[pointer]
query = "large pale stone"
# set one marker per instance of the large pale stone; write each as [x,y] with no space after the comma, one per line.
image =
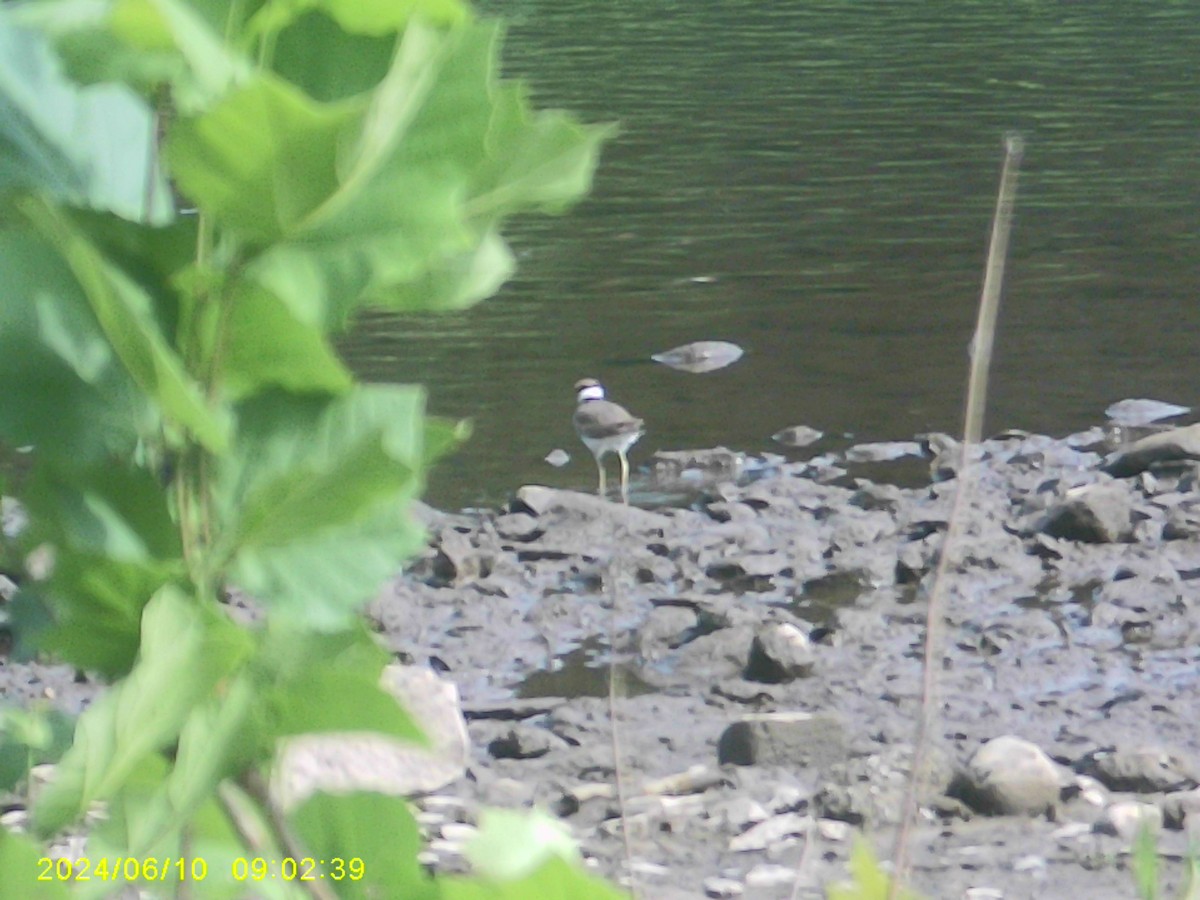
[344,763]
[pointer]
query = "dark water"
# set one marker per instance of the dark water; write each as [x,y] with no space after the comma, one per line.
[815,181]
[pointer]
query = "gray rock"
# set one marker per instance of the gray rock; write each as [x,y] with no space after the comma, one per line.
[1128,817]
[1181,808]
[1141,770]
[1176,445]
[784,738]
[1143,412]
[769,875]
[700,356]
[516,741]
[779,653]
[1093,514]
[797,436]
[883,451]
[665,629]
[771,831]
[518,527]
[718,887]
[348,763]
[869,790]
[1009,776]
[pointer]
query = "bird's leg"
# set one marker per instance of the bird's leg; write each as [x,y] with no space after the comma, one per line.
[624,478]
[601,491]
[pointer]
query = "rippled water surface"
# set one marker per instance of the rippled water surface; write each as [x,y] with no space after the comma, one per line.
[815,181]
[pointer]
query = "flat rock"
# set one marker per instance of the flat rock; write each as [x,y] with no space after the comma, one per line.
[1176,445]
[815,740]
[1140,770]
[700,356]
[797,436]
[1143,412]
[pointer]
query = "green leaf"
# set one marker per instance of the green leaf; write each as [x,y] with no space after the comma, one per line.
[186,650]
[376,829]
[219,739]
[1144,862]
[269,347]
[89,613]
[54,356]
[328,64]
[870,881]
[369,17]
[512,844]
[158,25]
[261,159]
[554,879]
[394,200]
[19,869]
[330,699]
[314,499]
[30,737]
[125,314]
[86,146]
[115,546]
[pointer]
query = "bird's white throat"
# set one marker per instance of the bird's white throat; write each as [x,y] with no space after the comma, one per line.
[591,392]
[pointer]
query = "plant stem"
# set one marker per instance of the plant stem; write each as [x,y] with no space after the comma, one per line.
[981,357]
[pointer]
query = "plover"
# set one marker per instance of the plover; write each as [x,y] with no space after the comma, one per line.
[605,427]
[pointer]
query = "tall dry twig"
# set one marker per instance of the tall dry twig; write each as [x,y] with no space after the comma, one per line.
[981,360]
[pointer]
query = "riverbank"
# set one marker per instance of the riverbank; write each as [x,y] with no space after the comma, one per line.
[768,640]
[768,621]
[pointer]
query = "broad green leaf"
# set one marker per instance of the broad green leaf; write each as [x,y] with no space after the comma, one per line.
[186,650]
[421,177]
[54,356]
[376,830]
[288,650]
[442,436]
[261,159]
[314,499]
[330,699]
[328,64]
[554,879]
[89,613]
[269,347]
[19,870]
[208,846]
[83,145]
[369,17]
[107,510]
[115,546]
[218,740]
[870,882]
[321,497]
[125,314]
[30,737]
[512,844]
[165,24]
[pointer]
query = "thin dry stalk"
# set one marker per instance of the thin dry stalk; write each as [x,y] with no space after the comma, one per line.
[614,695]
[981,359]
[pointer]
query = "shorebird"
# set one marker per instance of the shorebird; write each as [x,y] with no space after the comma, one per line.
[605,427]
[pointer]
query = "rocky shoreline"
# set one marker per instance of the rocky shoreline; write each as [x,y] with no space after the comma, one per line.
[764,620]
[768,633]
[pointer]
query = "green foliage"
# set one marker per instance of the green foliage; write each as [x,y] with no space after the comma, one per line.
[196,435]
[30,737]
[1144,864]
[870,882]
